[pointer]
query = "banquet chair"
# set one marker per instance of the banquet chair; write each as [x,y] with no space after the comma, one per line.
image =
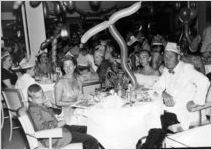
[33,136]
[3,105]
[198,135]
[13,99]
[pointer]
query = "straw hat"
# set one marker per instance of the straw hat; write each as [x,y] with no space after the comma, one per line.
[42,52]
[4,54]
[172,47]
[132,40]
[26,64]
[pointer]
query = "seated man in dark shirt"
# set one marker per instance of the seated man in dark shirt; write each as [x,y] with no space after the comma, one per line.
[102,64]
[43,118]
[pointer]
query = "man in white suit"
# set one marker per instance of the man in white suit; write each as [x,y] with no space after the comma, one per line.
[181,86]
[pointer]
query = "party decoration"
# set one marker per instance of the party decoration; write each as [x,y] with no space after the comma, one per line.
[124,54]
[177,5]
[34,4]
[185,14]
[57,9]
[96,29]
[193,5]
[115,17]
[125,12]
[62,6]
[17,4]
[70,5]
[95,5]
[45,9]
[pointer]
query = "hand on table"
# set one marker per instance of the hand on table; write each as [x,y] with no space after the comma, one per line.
[61,123]
[168,99]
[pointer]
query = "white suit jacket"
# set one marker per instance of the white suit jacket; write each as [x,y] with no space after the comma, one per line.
[186,84]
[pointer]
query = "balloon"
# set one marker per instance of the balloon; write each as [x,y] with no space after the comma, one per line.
[95,5]
[45,9]
[34,4]
[125,12]
[185,14]
[177,5]
[115,17]
[193,5]
[69,5]
[17,4]
[193,13]
[62,5]
[57,8]
[124,53]
[96,29]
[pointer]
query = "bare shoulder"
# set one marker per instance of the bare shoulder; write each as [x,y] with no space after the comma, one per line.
[60,83]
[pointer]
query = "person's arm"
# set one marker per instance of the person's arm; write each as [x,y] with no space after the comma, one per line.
[59,94]
[8,83]
[42,119]
[201,83]
[91,63]
[160,85]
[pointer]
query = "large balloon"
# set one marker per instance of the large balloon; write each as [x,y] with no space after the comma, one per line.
[45,9]
[124,54]
[17,4]
[57,8]
[96,29]
[95,5]
[177,5]
[185,14]
[193,5]
[125,12]
[69,5]
[102,26]
[34,3]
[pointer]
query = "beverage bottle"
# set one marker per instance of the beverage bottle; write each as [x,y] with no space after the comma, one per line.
[119,90]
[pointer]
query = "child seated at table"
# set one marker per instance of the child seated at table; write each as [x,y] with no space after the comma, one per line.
[44,118]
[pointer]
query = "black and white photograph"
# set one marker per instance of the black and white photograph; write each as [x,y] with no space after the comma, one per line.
[106,74]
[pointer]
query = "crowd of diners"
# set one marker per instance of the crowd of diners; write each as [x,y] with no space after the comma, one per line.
[182,79]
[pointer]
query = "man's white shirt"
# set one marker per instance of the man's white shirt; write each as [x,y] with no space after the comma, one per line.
[23,83]
[186,84]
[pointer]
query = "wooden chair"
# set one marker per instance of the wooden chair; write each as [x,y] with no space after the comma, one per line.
[14,102]
[33,136]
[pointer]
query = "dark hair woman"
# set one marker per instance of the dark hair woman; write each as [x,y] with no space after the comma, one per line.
[8,77]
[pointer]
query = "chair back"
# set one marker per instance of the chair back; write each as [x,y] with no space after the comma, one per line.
[28,129]
[13,100]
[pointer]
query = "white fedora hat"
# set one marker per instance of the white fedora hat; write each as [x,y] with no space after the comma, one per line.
[173,47]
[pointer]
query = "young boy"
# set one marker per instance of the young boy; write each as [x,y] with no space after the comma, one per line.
[43,118]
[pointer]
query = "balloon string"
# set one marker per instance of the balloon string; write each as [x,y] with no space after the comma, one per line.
[124,53]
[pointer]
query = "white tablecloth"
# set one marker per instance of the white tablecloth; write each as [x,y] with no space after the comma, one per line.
[121,128]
